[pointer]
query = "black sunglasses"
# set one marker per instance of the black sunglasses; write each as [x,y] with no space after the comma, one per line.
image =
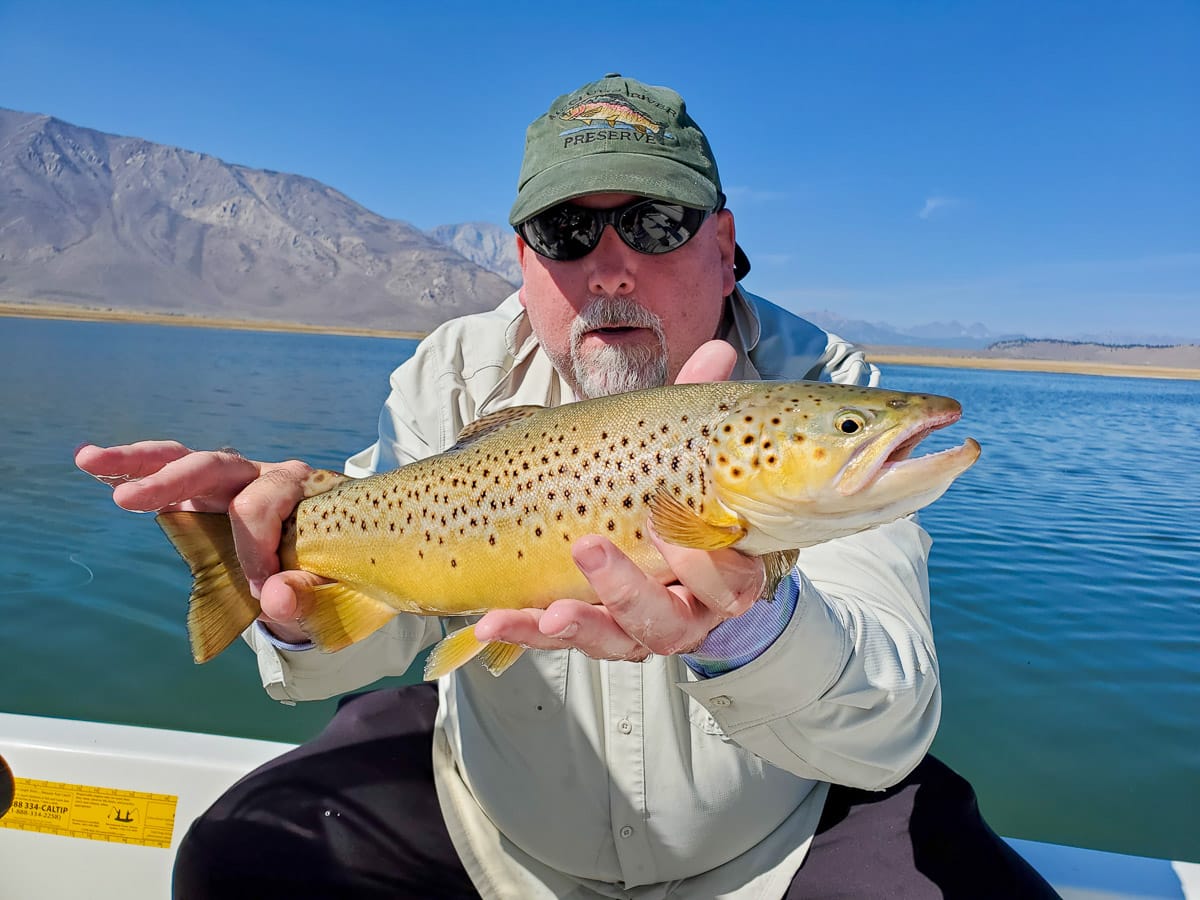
[567,231]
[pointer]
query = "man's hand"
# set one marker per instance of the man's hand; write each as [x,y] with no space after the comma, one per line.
[159,476]
[639,616]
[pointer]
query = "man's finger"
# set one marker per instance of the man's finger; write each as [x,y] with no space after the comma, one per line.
[725,581]
[128,461]
[257,514]
[712,361]
[205,480]
[660,619]
[286,597]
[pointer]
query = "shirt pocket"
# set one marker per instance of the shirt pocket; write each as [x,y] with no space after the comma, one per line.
[535,688]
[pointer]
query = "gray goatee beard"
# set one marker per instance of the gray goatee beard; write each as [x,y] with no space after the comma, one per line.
[616,369]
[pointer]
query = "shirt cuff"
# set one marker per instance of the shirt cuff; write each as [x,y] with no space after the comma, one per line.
[278,643]
[735,642]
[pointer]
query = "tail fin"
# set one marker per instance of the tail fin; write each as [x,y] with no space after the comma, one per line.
[221,606]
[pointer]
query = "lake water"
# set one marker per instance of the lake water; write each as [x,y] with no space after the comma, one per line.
[1065,571]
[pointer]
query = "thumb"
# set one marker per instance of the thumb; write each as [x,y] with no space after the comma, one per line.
[285,598]
[712,361]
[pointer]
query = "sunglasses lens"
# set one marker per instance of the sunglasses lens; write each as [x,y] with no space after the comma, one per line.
[567,232]
[656,227]
[563,232]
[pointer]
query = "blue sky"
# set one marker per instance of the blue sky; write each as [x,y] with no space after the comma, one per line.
[1031,166]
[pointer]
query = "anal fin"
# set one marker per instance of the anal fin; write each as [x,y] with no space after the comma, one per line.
[338,615]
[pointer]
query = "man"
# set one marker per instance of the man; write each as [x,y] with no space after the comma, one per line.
[688,747]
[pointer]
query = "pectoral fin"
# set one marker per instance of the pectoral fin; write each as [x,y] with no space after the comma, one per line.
[674,522]
[339,615]
[462,646]
[221,606]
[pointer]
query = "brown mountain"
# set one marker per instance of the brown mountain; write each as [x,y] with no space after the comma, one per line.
[96,220]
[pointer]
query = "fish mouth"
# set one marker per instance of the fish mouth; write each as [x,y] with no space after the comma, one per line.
[891,457]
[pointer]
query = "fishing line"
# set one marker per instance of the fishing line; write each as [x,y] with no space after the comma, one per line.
[91,576]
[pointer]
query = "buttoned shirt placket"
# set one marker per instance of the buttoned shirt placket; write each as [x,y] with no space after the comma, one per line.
[625,728]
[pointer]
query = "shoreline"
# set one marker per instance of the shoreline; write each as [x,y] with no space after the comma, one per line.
[1053,366]
[128,317]
[879,356]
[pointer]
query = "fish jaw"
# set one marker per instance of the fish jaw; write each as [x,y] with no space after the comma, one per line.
[893,447]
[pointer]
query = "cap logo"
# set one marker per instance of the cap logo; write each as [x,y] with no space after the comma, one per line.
[610,117]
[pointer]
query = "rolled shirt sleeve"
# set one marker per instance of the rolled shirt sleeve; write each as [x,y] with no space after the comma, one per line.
[849,691]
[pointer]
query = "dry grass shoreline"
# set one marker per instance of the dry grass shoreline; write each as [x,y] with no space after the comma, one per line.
[882,356]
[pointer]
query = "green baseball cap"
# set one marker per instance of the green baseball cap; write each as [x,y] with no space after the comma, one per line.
[618,135]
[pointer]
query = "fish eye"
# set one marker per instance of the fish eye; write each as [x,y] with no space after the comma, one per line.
[849,422]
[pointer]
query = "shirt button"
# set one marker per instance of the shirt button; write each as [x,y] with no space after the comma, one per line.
[625,726]
[626,831]
[721,700]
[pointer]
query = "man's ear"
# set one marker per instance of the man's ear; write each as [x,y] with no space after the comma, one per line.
[727,241]
[522,248]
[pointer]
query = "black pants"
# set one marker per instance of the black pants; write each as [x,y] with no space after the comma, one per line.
[354,814]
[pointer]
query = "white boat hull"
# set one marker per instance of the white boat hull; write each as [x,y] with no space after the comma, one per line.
[46,856]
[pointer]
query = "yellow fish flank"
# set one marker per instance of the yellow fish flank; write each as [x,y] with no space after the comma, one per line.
[764,467]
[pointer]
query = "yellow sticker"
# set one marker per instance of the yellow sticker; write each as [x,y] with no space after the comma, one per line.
[96,813]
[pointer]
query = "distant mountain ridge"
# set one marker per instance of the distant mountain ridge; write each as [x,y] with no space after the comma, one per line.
[487,245]
[93,219]
[935,334]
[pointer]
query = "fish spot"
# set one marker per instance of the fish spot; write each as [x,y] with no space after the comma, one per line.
[818,453]
[453,563]
[372,560]
[537,532]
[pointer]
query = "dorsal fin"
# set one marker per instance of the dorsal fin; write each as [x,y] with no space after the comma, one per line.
[492,421]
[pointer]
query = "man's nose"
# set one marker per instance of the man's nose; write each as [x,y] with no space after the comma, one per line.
[611,266]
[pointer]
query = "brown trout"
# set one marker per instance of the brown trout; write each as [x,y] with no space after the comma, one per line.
[764,467]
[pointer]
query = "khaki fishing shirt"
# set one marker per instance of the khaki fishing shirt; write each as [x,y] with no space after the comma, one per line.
[572,777]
